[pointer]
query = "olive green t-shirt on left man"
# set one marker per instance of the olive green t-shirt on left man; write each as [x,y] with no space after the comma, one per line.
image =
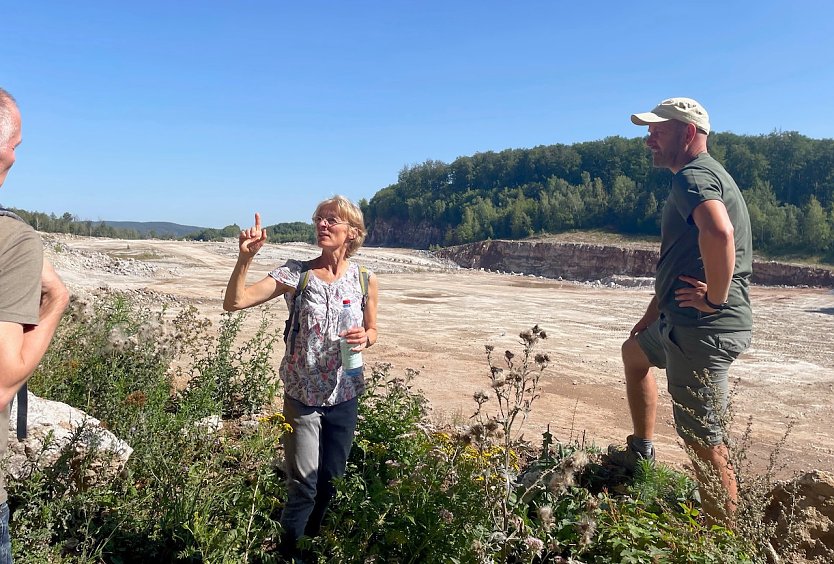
[21,264]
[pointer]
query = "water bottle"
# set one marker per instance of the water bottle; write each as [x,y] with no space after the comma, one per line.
[351,361]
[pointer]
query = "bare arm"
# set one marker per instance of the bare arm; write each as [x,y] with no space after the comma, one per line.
[22,347]
[238,294]
[717,244]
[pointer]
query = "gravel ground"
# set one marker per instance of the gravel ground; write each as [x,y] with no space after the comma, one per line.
[436,318]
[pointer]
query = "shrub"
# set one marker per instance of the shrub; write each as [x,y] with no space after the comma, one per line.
[189,492]
[411,494]
[229,380]
[208,490]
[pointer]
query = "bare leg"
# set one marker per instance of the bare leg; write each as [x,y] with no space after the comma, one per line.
[641,389]
[713,467]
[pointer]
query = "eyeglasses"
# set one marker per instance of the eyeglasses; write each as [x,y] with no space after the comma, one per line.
[328,221]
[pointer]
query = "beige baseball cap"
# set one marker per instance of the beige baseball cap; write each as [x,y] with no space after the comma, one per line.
[686,110]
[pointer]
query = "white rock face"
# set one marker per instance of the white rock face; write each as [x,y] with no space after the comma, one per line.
[51,426]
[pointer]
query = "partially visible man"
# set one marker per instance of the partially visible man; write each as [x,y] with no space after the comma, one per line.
[32,300]
[700,319]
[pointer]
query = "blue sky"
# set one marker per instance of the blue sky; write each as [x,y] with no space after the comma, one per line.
[203,112]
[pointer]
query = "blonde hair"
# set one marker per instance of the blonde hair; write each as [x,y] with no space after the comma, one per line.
[351,213]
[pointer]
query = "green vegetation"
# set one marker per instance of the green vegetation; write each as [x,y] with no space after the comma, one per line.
[211,234]
[189,493]
[155,228]
[295,231]
[198,491]
[68,223]
[787,179]
[279,233]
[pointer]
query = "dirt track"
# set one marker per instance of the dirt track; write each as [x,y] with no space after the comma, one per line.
[436,319]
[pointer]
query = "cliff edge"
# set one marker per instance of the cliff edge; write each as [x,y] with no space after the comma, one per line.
[584,261]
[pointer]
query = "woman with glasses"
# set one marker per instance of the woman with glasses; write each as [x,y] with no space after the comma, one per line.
[320,401]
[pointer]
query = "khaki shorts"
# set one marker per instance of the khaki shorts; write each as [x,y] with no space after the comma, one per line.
[696,362]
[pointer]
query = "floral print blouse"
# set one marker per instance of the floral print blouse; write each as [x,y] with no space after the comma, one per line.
[313,373]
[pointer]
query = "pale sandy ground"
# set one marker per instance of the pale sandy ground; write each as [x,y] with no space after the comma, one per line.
[437,319]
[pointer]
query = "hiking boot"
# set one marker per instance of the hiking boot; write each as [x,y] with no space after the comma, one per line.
[626,456]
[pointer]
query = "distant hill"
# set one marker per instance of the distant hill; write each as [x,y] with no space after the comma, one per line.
[160,228]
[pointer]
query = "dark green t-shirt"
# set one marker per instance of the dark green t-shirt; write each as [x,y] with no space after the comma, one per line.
[21,264]
[703,179]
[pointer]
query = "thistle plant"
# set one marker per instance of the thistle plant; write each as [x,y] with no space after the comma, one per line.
[746,515]
[233,378]
[514,387]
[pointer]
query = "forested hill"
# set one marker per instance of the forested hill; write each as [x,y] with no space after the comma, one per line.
[787,179]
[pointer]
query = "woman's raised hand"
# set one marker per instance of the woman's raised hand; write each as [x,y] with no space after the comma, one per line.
[251,240]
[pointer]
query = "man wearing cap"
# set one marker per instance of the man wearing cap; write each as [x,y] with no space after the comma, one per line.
[32,301]
[700,319]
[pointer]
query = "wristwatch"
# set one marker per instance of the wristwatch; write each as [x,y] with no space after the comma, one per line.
[717,307]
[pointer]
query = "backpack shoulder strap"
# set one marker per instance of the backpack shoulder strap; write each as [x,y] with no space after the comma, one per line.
[293,325]
[23,392]
[7,213]
[364,276]
[302,282]
[303,277]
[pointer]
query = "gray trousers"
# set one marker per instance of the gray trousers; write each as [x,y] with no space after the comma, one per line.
[316,452]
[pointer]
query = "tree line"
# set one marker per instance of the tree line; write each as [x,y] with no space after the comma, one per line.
[787,180]
[69,223]
[278,233]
